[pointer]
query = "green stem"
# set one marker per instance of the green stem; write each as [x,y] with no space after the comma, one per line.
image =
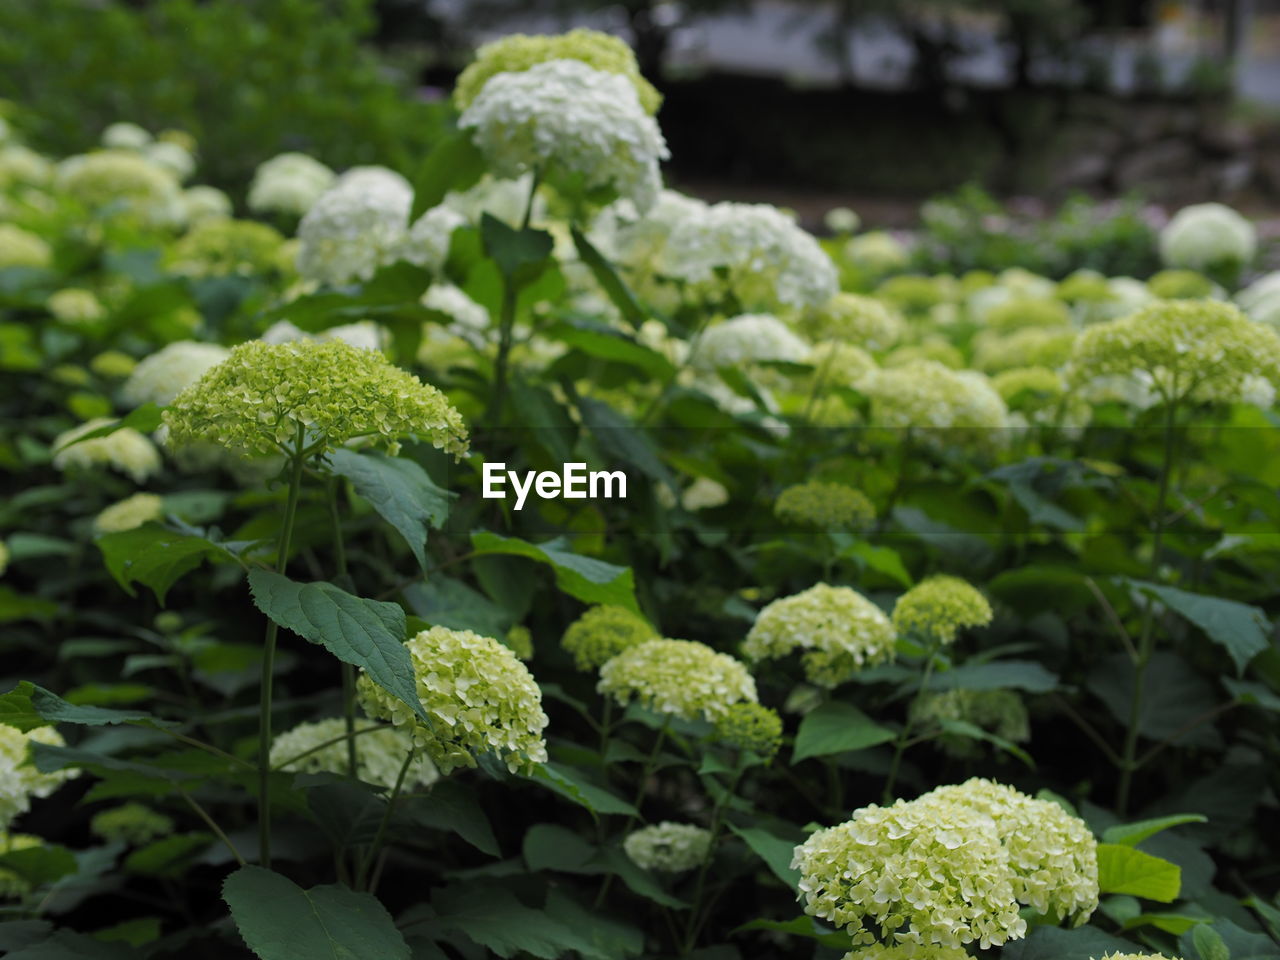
[348,671]
[1146,642]
[507,319]
[381,835]
[203,814]
[269,662]
[696,920]
[645,773]
[900,744]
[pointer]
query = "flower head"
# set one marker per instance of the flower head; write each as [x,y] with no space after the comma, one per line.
[926,397]
[569,119]
[288,183]
[22,248]
[264,395]
[750,338]
[519,52]
[603,632]
[1180,285]
[1000,712]
[131,823]
[681,678]
[928,875]
[121,182]
[220,246]
[479,696]
[356,226]
[855,319]
[1031,346]
[1019,313]
[205,203]
[1134,956]
[1205,351]
[18,164]
[937,608]
[750,726]
[1206,236]
[824,505]
[839,630]
[130,513]
[126,451]
[1053,855]
[20,780]
[877,252]
[380,752]
[428,241]
[704,494]
[840,363]
[166,373]
[123,135]
[905,951]
[668,847]
[72,305]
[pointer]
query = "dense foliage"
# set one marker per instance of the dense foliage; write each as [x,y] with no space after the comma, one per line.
[936,618]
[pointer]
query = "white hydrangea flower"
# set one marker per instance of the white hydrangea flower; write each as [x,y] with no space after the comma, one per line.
[19,164]
[682,678]
[289,183]
[379,754]
[74,305]
[355,227]
[173,157]
[668,847]
[19,778]
[125,136]
[1261,299]
[501,198]
[770,261]
[170,370]
[206,203]
[750,338]
[126,451]
[470,319]
[571,117]
[704,494]
[638,241]
[129,513]
[1205,235]
[22,248]
[427,244]
[364,334]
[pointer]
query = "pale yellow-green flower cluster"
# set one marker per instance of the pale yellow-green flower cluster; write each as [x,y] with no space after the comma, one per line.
[126,451]
[380,752]
[750,726]
[668,847]
[22,248]
[680,678]
[356,226]
[855,319]
[925,396]
[123,183]
[170,370]
[518,52]
[129,513]
[72,305]
[4,557]
[838,629]
[19,778]
[999,712]
[749,338]
[1052,855]
[1176,284]
[920,875]
[288,183]
[937,608]
[264,394]
[839,364]
[1205,351]
[906,951]
[479,696]
[1020,313]
[825,505]
[221,246]
[1135,956]
[1033,346]
[603,632]
[131,823]
[1205,236]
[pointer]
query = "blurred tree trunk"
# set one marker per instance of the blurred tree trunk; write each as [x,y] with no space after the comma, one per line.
[649,37]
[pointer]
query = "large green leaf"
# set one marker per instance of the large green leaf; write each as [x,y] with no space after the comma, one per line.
[1124,869]
[1241,944]
[453,164]
[837,727]
[68,945]
[996,675]
[621,439]
[1239,628]
[612,284]
[548,846]
[806,927]
[153,556]
[144,419]
[28,706]
[963,728]
[399,490]
[588,579]
[451,805]
[519,253]
[775,851]
[446,602]
[1175,693]
[40,865]
[494,919]
[566,782]
[365,633]
[1055,943]
[1132,834]
[281,921]
[607,344]
[601,937]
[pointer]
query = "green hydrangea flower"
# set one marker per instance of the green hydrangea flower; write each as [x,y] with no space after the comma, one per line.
[22,248]
[824,505]
[114,364]
[930,350]
[926,875]
[839,363]
[1029,386]
[518,52]
[944,407]
[1018,313]
[130,513]
[123,183]
[1208,236]
[855,319]
[668,847]
[480,699]
[937,608]
[380,752]
[839,630]
[1053,855]
[130,823]
[1205,351]
[1000,712]
[160,377]
[220,247]
[1180,285]
[73,305]
[603,632]
[750,726]
[680,678]
[1135,956]
[263,394]
[912,293]
[519,641]
[905,951]
[1033,347]
[1084,286]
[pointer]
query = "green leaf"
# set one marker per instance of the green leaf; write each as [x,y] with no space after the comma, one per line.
[494,919]
[1132,834]
[154,556]
[623,440]
[452,806]
[518,253]
[167,857]
[1175,923]
[837,727]
[14,606]
[446,602]
[1241,944]
[1055,943]
[1240,628]
[1123,869]
[455,163]
[28,706]
[365,633]
[638,881]
[601,937]
[588,579]
[565,781]
[349,813]
[974,732]
[612,284]
[399,490]
[608,344]
[881,559]
[137,932]
[40,865]
[281,921]
[996,675]
[548,846]
[776,852]
[67,945]
[1209,943]
[145,419]
[1253,693]
[806,927]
